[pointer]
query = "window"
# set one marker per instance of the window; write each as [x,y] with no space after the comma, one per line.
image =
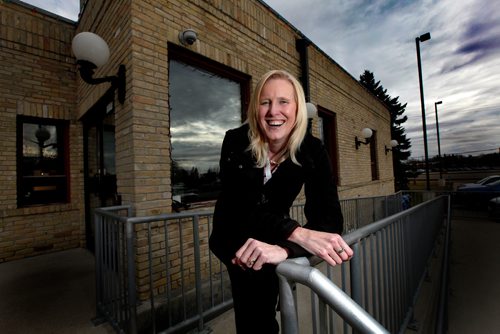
[42,161]
[328,134]
[373,156]
[204,102]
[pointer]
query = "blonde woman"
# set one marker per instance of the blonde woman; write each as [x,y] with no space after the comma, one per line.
[264,164]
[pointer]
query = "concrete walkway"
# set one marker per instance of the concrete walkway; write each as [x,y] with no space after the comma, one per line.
[49,294]
[474,301]
[55,293]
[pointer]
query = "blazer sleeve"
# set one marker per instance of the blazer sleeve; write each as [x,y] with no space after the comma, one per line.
[322,208]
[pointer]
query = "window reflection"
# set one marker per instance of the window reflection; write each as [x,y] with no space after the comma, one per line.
[203,106]
[42,170]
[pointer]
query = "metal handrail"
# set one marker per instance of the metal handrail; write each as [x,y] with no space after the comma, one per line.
[117,270]
[302,271]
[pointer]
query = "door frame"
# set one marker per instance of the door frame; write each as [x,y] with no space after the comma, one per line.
[103,108]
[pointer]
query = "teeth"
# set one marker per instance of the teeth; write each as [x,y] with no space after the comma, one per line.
[276,123]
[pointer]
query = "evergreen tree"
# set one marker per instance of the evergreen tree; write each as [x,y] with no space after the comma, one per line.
[396,109]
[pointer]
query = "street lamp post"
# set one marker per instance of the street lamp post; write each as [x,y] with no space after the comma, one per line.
[423,38]
[439,142]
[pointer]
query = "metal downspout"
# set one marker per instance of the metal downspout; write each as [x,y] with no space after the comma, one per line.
[301,45]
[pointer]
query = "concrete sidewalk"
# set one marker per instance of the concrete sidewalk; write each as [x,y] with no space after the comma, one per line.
[474,300]
[49,294]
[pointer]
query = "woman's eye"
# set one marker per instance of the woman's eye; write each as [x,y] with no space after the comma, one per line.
[263,103]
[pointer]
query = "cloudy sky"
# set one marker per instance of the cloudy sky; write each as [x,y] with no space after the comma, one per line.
[460,63]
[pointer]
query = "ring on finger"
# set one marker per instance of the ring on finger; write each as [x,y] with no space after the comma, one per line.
[340,250]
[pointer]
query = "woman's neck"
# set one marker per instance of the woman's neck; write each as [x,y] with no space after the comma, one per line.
[275,152]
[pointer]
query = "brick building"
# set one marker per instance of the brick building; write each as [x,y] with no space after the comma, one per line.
[69,147]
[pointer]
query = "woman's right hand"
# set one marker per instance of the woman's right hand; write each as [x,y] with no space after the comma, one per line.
[328,246]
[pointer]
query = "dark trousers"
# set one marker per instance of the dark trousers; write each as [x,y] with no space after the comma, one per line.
[255,294]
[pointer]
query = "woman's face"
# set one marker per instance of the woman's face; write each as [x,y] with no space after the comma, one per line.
[277,111]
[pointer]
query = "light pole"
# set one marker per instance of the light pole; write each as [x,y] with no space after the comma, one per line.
[439,142]
[423,38]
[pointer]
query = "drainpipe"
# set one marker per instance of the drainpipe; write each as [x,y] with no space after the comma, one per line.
[301,45]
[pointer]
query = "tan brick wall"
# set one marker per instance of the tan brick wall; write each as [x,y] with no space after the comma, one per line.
[245,36]
[37,78]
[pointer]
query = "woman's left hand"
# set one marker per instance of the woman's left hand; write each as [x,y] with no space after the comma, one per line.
[254,254]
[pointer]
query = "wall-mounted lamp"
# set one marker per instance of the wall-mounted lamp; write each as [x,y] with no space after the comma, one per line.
[393,144]
[366,133]
[188,37]
[312,111]
[91,51]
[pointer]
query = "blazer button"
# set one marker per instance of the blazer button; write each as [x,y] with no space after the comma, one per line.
[240,166]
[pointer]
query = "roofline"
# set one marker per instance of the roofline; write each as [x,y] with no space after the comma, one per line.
[42,11]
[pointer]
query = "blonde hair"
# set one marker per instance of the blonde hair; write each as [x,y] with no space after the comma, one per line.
[258,142]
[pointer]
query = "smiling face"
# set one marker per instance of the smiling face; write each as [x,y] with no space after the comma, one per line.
[277,112]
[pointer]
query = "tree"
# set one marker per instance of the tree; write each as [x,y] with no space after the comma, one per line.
[396,110]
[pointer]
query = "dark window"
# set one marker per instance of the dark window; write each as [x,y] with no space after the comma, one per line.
[42,161]
[204,103]
[373,156]
[328,134]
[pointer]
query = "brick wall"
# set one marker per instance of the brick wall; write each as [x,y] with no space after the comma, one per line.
[37,78]
[244,35]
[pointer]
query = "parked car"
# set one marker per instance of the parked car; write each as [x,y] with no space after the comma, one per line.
[484,181]
[478,195]
[494,208]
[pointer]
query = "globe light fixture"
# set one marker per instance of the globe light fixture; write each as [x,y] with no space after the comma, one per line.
[91,52]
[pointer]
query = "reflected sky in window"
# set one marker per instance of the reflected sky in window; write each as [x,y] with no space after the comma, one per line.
[203,106]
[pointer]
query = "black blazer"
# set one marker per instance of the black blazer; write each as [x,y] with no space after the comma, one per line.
[247,208]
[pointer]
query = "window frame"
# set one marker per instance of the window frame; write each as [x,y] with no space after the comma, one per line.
[373,157]
[329,121]
[190,58]
[61,182]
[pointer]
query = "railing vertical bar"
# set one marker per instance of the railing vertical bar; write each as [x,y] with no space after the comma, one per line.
[322,311]
[397,273]
[131,277]
[181,254]
[314,312]
[393,280]
[114,269]
[151,285]
[356,286]
[98,263]
[108,283]
[197,270]
[167,273]
[365,275]
[374,275]
[380,312]
[344,288]
[385,282]
[210,271]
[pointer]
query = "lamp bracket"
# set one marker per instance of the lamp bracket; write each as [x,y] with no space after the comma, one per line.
[118,81]
[359,142]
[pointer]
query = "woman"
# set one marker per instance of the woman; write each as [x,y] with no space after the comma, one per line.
[263,166]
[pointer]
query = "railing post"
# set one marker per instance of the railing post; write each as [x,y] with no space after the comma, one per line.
[356,289]
[132,294]
[288,310]
[98,265]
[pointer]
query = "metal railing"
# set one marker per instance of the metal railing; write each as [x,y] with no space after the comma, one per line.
[385,275]
[157,274]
